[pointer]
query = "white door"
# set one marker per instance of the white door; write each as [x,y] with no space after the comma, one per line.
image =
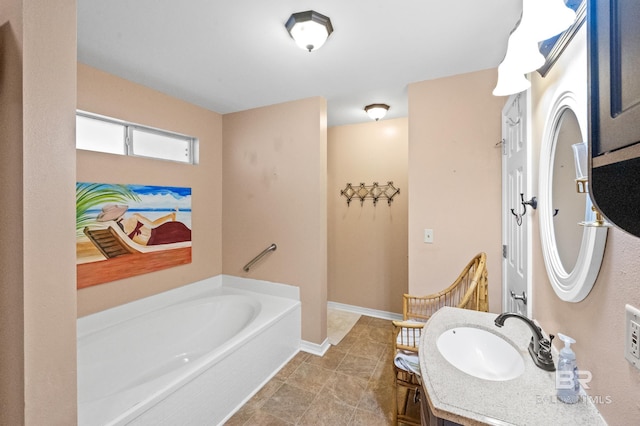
[516,216]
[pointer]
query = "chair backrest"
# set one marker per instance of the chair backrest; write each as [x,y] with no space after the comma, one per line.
[468,291]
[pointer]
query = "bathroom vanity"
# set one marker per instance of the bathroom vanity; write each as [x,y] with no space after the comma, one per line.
[528,399]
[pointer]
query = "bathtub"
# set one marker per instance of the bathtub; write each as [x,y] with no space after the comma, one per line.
[192,355]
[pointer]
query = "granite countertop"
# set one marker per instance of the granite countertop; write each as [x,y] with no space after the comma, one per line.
[526,400]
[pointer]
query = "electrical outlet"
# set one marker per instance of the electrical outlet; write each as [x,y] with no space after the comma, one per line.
[632,336]
[428,236]
[635,329]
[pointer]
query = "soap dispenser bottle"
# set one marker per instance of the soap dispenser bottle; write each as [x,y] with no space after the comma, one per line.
[567,384]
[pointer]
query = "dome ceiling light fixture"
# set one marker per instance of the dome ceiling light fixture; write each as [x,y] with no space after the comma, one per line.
[376,111]
[309,29]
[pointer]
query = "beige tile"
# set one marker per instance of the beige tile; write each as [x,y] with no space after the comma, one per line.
[300,357]
[330,360]
[357,366]
[291,366]
[346,388]
[309,377]
[364,320]
[389,352]
[254,404]
[367,418]
[379,322]
[367,348]
[358,329]
[262,418]
[348,341]
[327,411]
[288,403]
[383,375]
[242,415]
[378,399]
[265,393]
[351,384]
[381,334]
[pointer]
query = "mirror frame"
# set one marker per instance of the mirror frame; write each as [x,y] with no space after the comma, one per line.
[574,285]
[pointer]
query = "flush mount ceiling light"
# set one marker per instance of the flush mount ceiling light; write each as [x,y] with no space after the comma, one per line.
[376,111]
[309,29]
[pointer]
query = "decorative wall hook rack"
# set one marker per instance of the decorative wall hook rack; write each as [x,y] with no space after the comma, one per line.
[374,192]
[533,202]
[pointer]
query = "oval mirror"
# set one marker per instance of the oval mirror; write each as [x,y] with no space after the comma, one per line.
[572,253]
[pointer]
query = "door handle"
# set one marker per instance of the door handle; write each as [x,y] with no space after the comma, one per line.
[518,297]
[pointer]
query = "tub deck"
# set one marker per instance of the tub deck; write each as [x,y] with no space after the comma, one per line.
[201,385]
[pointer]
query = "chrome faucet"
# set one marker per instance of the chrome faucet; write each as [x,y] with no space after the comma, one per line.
[539,348]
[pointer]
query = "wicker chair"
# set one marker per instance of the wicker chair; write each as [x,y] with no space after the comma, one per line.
[468,291]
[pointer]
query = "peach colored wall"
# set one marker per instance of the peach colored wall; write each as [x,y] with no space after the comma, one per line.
[37,170]
[597,323]
[109,95]
[275,168]
[367,243]
[12,282]
[454,180]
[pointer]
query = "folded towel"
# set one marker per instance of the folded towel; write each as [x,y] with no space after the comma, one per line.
[407,361]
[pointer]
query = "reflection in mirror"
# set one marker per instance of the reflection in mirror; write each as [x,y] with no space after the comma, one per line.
[569,203]
[572,253]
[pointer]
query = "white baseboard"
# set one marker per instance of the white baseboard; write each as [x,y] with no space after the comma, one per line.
[365,311]
[320,349]
[314,348]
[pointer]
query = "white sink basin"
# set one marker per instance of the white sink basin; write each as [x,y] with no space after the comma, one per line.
[480,353]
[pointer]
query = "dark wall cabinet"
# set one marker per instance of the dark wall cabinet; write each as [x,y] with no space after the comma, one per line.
[614,109]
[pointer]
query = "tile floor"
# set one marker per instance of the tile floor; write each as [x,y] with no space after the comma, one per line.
[352,384]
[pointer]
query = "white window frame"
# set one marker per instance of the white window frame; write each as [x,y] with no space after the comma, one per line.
[128,140]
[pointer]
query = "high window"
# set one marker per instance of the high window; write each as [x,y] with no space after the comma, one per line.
[99,133]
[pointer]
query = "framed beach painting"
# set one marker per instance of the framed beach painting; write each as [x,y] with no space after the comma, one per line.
[124,230]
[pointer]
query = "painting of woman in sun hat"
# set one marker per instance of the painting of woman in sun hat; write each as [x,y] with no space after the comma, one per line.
[126,230]
[142,230]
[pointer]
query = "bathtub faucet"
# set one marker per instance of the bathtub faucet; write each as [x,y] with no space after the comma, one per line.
[539,348]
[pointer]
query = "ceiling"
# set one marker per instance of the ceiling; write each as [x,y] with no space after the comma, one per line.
[230,56]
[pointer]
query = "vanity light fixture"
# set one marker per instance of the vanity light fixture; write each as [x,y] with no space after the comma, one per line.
[540,20]
[523,55]
[376,111]
[309,29]
[510,81]
[551,17]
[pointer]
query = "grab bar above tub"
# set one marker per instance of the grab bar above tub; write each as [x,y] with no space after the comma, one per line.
[248,266]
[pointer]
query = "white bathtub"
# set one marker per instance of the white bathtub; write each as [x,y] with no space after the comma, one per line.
[188,356]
